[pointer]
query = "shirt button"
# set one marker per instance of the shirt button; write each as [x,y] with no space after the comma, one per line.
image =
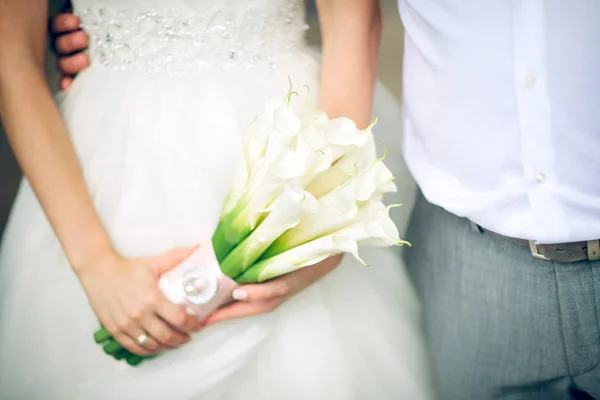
[530,81]
[540,177]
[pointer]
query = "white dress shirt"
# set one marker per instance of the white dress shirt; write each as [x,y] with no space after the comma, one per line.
[502,113]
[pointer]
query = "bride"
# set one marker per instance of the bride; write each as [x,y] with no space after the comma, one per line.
[131,169]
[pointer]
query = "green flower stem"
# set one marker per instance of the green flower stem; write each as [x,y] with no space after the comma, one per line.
[101,335]
[135,360]
[112,347]
[116,350]
[226,238]
[277,247]
[230,231]
[122,354]
[220,243]
[251,275]
[238,260]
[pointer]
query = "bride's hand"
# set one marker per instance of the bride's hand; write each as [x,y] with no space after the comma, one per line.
[125,296]
[265,297]
[69,41]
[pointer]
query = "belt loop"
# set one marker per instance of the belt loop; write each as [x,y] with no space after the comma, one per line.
[593,250]
[533,246]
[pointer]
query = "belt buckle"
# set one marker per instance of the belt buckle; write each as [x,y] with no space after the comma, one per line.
[533,246]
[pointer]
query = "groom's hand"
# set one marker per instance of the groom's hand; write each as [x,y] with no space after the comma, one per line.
[68,42]
[265,297]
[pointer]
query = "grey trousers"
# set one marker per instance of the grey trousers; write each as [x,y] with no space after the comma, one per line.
[500,323]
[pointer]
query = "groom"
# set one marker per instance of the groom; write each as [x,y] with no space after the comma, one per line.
[502,134]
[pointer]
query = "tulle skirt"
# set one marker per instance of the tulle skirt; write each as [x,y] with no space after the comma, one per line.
[158,154]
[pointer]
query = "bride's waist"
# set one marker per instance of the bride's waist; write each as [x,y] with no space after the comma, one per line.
[183,61]
[222,39]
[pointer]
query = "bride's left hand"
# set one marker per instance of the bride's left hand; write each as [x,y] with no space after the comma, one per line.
[265,297]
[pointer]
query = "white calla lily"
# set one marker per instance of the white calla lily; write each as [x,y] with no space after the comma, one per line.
[342,132]
[376,180]
[370,180]
[327,181]
[345,165]
[305,156]
[373,224]
[286,125]
[257,136]
[285,120]
[291,260]
[359,157]
[307,179]
[310,114]
[240,180]
[337,209]
[270,132]
[288,211]
[343,136]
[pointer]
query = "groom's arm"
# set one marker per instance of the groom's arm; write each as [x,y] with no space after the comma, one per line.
[351,33]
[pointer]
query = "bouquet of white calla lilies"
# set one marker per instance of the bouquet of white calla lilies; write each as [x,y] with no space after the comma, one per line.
[309,188]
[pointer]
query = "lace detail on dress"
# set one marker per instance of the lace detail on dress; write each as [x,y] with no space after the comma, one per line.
[174,41]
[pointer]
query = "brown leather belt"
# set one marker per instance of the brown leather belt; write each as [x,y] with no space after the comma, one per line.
[560,252]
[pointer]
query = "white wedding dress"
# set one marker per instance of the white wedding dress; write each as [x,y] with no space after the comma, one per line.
[157,121]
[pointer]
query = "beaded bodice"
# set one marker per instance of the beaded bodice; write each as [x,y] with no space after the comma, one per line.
[176,36]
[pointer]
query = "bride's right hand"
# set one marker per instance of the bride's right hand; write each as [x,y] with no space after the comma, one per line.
[125,296]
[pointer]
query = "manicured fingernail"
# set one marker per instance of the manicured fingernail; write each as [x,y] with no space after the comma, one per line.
[239,294]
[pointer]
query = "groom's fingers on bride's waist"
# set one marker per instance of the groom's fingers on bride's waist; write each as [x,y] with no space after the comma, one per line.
[70,43]
[73,64]
[65,83]
[62,23]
